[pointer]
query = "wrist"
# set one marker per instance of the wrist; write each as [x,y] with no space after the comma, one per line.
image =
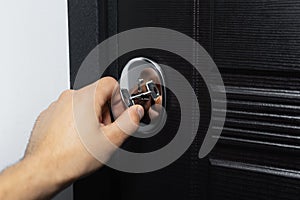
[39,175]
[29,179]
[44,173]
[41,179]
[36,178]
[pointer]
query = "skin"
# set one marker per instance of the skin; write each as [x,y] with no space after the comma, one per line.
[49,164]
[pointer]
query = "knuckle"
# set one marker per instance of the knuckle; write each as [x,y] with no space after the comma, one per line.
[107,80]
[65,94]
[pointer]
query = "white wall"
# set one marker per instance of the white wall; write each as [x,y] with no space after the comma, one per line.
[34,67]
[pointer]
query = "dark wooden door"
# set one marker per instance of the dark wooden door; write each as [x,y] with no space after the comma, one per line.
[256,46]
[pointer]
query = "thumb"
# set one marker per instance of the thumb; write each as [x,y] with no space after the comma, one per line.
[125,125]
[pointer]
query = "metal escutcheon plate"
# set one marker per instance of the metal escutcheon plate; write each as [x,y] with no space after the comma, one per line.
[142,82]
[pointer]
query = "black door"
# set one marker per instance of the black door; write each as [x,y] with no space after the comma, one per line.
[256,46]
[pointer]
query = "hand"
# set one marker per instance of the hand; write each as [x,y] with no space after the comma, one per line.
[55,155]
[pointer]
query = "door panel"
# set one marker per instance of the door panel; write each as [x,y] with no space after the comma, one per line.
[255,45]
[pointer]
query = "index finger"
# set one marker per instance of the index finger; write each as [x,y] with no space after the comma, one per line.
[104,91]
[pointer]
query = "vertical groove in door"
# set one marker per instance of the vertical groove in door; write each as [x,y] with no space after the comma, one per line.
[112,29]
[194,187]
[202,17]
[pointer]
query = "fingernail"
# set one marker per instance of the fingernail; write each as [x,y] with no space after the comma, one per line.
[140,111]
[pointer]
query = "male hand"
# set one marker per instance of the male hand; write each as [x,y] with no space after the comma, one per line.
[55,155]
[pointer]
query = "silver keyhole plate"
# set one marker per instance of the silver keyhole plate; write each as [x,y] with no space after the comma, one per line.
[142,82]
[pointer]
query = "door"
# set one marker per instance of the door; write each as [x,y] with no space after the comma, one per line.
[255,45]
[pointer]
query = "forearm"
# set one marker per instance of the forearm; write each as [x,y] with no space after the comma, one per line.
[28,179]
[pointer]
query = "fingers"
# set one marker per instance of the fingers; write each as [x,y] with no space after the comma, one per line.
[117,104]
[126,124]
[105,119]
[104,91]
[158,100]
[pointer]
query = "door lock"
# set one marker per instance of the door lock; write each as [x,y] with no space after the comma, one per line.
[152,94]
[142,83]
